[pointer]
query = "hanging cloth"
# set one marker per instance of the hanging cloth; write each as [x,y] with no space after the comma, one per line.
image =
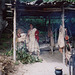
[61,41]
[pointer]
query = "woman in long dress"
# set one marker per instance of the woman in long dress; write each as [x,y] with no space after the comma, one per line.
[33,45]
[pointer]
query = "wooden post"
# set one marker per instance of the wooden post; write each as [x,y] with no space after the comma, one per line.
[14,33]
[49,22]
[64,34]
[45,22]
[45,27]
[55,35]
[49,27]
[63,17]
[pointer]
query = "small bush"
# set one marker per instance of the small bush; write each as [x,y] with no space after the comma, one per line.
[26,58]
[23,56]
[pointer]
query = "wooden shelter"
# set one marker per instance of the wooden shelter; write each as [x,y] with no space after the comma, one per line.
[38,9]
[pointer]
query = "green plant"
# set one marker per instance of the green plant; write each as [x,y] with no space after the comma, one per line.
[26,58]
[23,56]
[9,53]
[16,63]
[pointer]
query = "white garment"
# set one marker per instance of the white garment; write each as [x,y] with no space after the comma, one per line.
[22,38]
[21,41]
[61,41]
[68,54]
[33,44]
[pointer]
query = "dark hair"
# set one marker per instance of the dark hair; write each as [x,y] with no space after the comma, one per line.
[31,23]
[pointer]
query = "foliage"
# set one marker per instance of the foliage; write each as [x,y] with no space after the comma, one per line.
[23,56]
[26,58]
[9,53]
[5,39]
[5,44]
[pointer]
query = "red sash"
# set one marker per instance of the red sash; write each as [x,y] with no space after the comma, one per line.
[37,35]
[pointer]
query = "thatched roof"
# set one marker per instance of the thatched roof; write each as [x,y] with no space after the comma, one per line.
[42,8]
[46,0]
[48,4]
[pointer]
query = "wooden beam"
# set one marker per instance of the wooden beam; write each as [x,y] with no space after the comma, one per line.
[14,34]
[63,24]
[9,11]
[52,9]
[49,27]
[42,10]
[8,4]
[69,8]
[45,22]
[63,16]
[9,17]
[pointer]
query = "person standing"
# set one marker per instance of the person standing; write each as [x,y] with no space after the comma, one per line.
[33,45]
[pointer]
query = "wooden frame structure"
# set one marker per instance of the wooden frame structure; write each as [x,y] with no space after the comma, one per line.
[37,10]
[14,33]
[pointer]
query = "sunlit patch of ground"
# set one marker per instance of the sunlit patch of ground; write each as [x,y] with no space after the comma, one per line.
[47,67]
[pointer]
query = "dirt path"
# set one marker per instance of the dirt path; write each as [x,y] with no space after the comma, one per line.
[47,67]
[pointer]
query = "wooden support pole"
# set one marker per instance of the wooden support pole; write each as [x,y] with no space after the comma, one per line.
[55,35]
[63,17]
[49,27]
[14,33]
[45,27]
[45,22]
[49,22]
[64,34]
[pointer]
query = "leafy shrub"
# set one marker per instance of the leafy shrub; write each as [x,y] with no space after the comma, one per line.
[26,58]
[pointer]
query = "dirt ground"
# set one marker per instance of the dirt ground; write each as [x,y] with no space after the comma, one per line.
[47,67]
